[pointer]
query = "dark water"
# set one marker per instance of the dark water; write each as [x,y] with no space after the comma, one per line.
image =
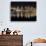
[23,19]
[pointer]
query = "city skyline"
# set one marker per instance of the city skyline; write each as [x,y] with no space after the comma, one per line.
[23,11]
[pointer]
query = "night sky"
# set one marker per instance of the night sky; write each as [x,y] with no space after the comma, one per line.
[14,4]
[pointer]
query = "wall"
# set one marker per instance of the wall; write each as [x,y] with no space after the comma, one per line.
[11,40]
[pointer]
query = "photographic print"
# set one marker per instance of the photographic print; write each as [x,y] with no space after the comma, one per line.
[23,11]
